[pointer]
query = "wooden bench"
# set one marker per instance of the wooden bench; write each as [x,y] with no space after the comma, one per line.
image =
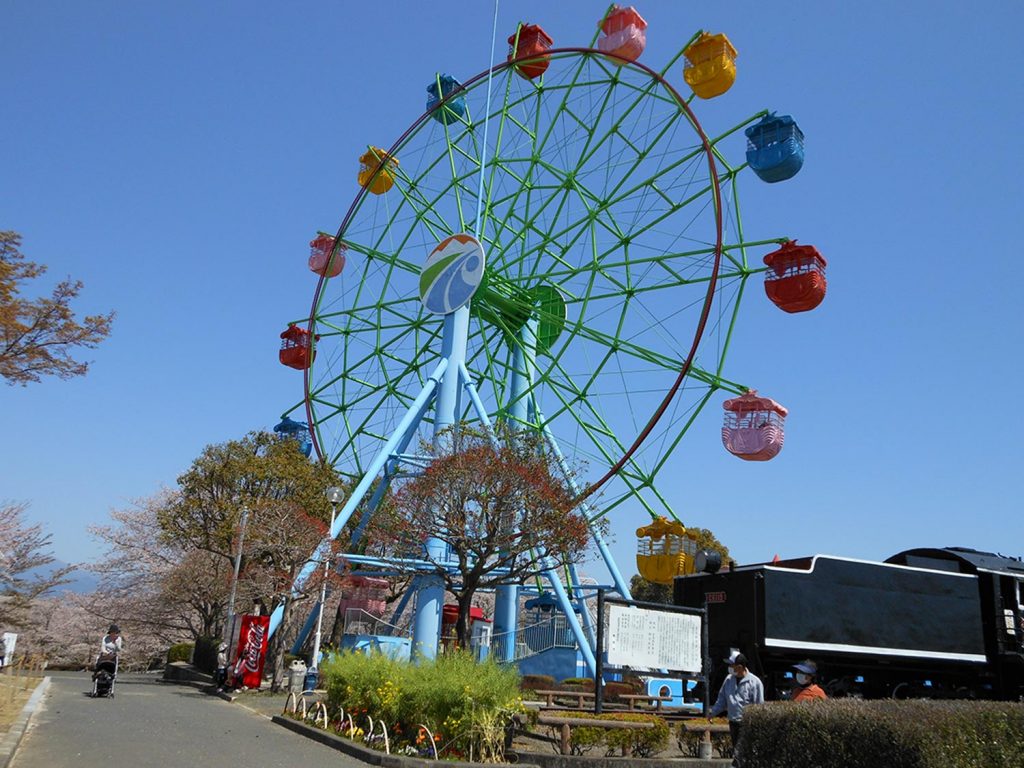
[634,698]
[550,696]
[567,724]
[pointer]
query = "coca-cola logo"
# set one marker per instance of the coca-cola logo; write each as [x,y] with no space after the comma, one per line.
[254,647]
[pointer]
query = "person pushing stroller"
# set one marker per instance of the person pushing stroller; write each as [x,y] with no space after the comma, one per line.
[105,672]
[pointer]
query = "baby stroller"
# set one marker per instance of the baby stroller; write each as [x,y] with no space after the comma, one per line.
[104,675]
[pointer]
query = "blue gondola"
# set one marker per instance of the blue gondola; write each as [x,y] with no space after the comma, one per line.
[298,431]
[455,108]
[775,148]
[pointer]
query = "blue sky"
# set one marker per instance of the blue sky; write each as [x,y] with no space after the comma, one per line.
[177,157]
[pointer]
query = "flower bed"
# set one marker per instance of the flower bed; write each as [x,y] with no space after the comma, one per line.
[454,707]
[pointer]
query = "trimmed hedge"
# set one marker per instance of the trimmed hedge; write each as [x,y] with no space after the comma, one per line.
[179,652]
[894,734]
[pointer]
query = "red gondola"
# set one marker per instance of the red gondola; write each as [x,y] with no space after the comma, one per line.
[796,281]
[533,41]
[753,428]
[296,348]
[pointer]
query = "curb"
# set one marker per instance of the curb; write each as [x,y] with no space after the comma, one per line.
[13,738]
[371,756]
[530,760]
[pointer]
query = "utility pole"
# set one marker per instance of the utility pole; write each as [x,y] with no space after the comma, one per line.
[335,495]
[238,566]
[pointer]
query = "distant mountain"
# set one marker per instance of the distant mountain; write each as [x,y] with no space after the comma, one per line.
[81,581]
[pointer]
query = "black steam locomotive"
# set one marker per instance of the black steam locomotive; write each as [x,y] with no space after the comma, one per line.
[942,623]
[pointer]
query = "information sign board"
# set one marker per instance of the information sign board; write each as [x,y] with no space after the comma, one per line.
[638,637]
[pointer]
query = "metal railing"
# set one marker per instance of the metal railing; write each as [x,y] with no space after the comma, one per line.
[533,639]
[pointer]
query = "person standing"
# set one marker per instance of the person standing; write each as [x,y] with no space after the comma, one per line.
[807,688]
[3,651]
[222,666]
[740,689]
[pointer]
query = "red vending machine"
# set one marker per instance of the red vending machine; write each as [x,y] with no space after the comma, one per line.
[251,652]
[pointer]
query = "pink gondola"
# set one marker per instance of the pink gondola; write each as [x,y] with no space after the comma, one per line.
[321,248]
[754,427]
[624,34]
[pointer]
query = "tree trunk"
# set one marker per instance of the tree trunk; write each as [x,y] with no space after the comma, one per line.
[462,624]
[281,646]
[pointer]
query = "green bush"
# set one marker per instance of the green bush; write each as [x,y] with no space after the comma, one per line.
[636,743]
[179,652]
[896,734]
[578,683]
[466,704]
[537,683]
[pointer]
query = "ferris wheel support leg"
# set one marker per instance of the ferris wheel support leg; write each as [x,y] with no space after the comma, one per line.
[602,546]
[426,632]
[412,416]
[548,571]
[581,603]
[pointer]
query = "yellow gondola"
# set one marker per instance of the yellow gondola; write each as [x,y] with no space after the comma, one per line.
[375,158]
[712,68]
[664,550]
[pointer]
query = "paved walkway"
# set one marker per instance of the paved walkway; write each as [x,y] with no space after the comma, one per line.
[153,724]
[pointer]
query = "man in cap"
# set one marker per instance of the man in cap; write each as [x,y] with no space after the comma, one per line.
[741,687]
[806,687]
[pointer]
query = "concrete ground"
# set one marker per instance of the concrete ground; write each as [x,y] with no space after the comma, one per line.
[153,724]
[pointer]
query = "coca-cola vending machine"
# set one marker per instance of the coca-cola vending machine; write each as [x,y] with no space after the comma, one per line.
[251,653]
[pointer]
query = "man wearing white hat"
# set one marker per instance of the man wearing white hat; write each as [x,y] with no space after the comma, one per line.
[741,687]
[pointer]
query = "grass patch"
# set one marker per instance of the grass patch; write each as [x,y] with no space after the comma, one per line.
[16,685]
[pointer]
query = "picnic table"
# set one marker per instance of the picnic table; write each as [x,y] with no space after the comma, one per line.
[578,695]
[632,699]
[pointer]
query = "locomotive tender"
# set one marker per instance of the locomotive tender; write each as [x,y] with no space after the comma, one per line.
[926,622]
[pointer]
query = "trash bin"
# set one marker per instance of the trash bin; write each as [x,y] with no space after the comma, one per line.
[296,675]
[310,681]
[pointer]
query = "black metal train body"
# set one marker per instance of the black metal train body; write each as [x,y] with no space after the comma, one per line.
[927,622]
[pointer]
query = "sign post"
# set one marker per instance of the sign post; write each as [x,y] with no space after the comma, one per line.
[653,636]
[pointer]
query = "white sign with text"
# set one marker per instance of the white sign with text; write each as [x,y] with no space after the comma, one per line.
[656,639]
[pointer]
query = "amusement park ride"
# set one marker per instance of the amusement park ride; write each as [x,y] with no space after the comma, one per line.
[555,244]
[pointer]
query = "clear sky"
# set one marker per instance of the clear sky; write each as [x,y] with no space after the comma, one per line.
[177,157]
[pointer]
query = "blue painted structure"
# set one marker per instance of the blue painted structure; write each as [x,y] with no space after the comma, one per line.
[775,148]
[455,108]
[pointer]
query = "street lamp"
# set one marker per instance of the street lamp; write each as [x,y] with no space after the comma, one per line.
[335,495]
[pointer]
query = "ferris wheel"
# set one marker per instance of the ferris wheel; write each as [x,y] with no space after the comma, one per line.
[556,244]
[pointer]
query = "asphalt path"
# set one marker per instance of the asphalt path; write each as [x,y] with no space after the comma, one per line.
[149,723]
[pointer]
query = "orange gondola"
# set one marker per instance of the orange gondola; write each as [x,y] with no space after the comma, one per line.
[532,42]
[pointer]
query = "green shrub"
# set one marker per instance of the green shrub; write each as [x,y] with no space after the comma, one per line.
[636,743]
[467,705]
[179,652]
[578,683]
[896,734]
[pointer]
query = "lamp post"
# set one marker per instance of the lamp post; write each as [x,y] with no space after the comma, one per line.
[234,577]
[335,495]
